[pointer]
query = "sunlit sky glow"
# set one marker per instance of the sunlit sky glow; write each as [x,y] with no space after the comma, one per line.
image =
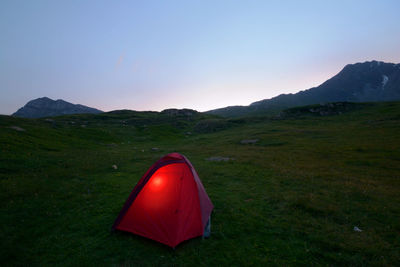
[153,55]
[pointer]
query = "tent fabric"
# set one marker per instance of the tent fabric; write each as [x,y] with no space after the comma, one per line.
[169,203]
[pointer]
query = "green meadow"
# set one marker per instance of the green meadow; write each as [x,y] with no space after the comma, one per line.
[292,197]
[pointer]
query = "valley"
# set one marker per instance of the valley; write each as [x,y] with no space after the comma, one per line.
[293,196]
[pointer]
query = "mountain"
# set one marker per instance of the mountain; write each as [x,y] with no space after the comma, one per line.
[370,81]
[46,107]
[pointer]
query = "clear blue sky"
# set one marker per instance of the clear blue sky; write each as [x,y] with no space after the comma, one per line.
[152,55]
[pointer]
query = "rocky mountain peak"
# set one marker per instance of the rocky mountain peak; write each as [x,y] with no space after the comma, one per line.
[46,107]
[368,81]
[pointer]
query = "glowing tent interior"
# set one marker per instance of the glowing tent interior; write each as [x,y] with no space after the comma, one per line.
[169,203]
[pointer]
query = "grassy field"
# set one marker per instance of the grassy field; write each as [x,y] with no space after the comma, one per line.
[292,198]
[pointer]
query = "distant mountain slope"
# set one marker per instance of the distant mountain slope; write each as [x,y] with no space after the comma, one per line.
[361,82]
[46,107]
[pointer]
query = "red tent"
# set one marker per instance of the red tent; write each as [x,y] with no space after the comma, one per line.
[168,204]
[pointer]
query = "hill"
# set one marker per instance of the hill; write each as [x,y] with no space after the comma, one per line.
[316,186]
[46,107]
[361,82]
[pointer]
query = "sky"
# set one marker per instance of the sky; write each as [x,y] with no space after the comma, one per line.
[198,54]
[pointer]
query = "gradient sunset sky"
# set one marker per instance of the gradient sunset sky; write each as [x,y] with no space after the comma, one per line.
[153,55]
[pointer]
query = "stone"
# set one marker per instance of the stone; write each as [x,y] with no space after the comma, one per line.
[249,141]
[217,158]
[17,128]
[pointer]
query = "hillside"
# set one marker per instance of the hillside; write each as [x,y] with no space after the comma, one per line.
[46,107]
[361,82]
[291,196]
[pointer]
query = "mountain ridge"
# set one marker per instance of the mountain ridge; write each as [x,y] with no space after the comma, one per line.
[370,81]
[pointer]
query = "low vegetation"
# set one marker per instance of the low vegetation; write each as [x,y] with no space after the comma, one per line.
[294,196]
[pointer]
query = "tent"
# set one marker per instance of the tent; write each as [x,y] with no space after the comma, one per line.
[169,203]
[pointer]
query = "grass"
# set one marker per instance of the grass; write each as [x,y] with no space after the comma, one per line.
[292,198]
